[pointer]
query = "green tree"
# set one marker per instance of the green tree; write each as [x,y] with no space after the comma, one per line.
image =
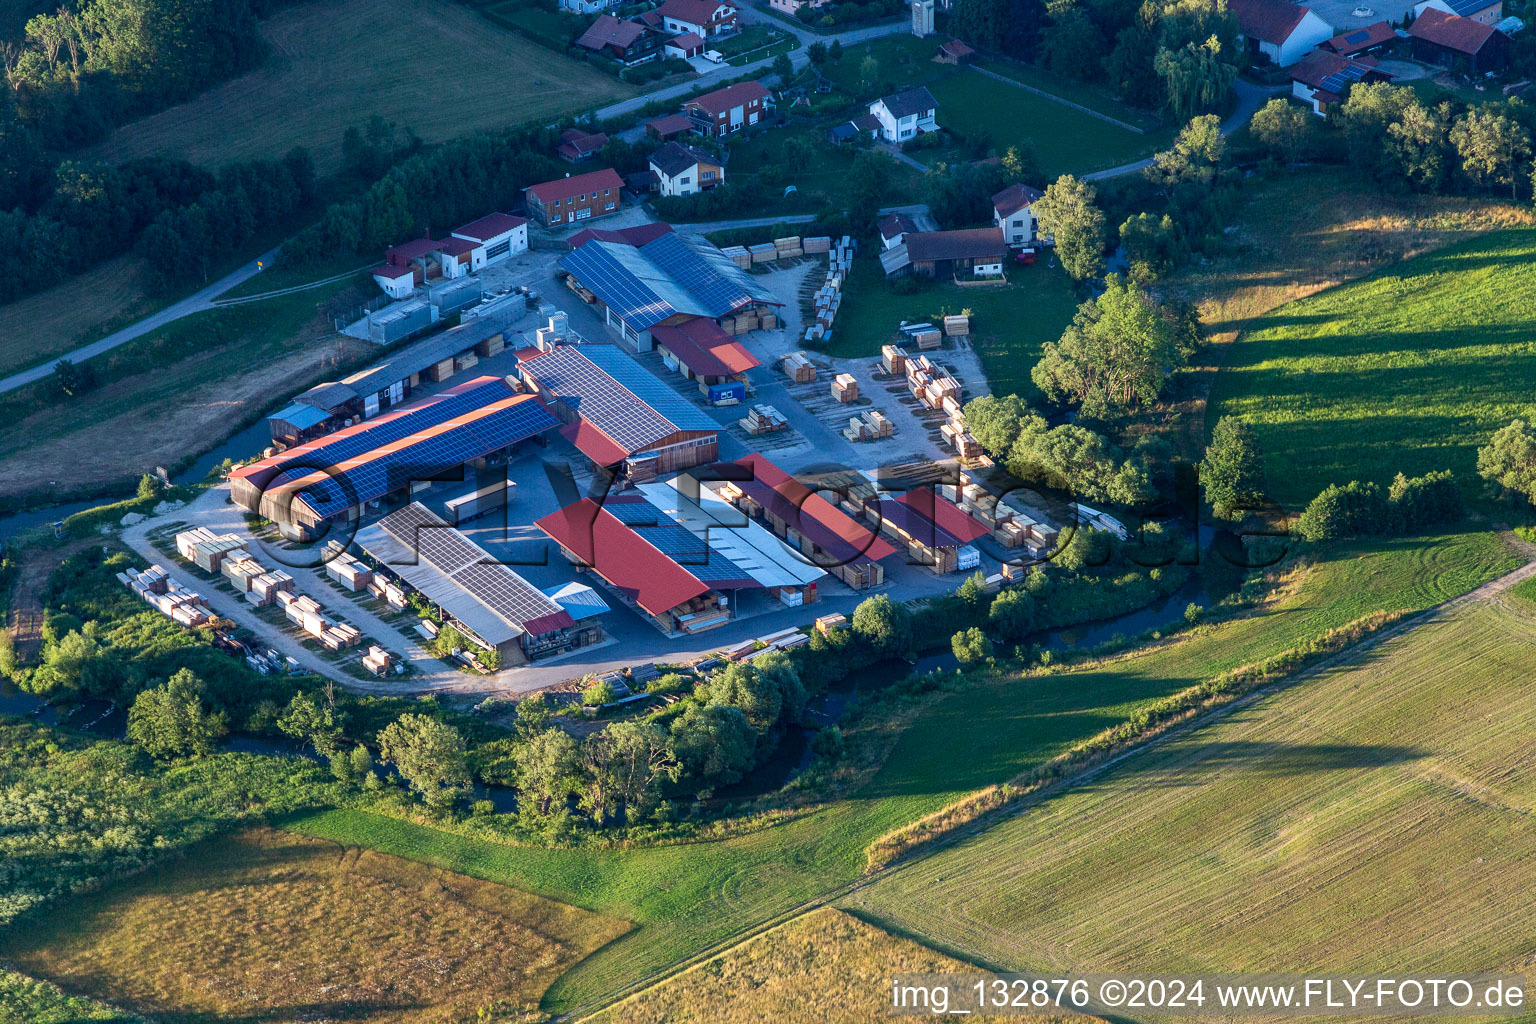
[598,693]
[430,755]
[1195,76]
[1153,246]
[534,713]
[1078,460]
[73,379]
[149,485]
[1365,118]
[1115,355]
[1354,508]
[312,719]
[974,590]
[885,625]
[1012,614]
[1419,142]
[970,646]
[172,721]
[714,743]
[1195,156]
[869,71]
[1509,459]
[816,53]
[785,69]
[1283,128]
[868,181]
[548,771]
[1069,214]
[835,50]
[1492,146]
[623,768]
[995,422]
[1232,472]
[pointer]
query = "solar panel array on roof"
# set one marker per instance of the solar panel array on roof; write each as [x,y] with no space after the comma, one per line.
[1357,37]
[600,266]
[676,542]
[1465,8]
[1343,77]
[616,394]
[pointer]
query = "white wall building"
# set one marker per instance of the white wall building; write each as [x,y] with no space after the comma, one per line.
[906,114]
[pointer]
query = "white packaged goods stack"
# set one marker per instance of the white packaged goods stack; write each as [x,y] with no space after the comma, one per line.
[968,558]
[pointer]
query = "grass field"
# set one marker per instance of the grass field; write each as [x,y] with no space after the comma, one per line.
[1407,370]
[72,314]
[686,899]
[1087,94]
[1010,323]
[223,368]
[1381,816]
[25,1000]
[824,172]
[438,69]
[826,967]
[270,926]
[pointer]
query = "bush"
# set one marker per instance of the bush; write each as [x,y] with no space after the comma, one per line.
[598,694]
[970,646]
[1361,508]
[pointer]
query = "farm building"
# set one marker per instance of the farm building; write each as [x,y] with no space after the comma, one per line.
[496,236]
[577,198]
[893,228]
[803,519]
[581,603]
[1279,30]
[906,114]
[1322,78]
[333,478]
[704,18]
[1452,41]
[954,51]
[1013,214]
[465,251]
[628,42]
[578,146]
[1489,12]
[649,275]
[481,597]
[617,412]
[972,252]
[683,171]
[932,529]
[1361,40]
[681,558]
[702,351]
[669,126]
[729,110]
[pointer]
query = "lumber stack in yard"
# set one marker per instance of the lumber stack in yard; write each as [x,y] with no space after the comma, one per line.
[739,255]
[868,427]
[155,587]
[845,388]
[957,326]
[377,660]
[893,359]
[798,368]
[763,419]
[829,297]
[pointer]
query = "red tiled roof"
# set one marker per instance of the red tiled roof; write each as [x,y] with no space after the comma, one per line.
[594,444]
[670,124]
[829,527]
[622,556]
[687,41]
[893,224]
[490,226]
[1014,198]
[582,143]
[577,184]
[694,12]
[722,100]
[930,519]
[957,48]
[1450,31]
[455,246]
[703,347]
[1353,42]
[392,273]
[411,250]
[636,236]
[1319,64]
[1271,21]
[610,31]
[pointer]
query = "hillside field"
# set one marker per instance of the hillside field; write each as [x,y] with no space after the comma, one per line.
[266,925]
[686,899]
[1381,815]
[438,69]
[1407,370]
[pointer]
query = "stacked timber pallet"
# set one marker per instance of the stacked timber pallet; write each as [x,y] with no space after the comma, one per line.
[206,550]
[765,252]
[815,246]
[377,660]
[868,427]
[957,326]
[155,587]
[893,359]
[798,368]
[829,297]
[389,593]
[845,388]
[266,587]
[788,247]
[763,419]
[352,575]
[738,255]
[828,624]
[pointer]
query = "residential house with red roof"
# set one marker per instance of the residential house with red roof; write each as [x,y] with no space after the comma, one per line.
[955,51]
[704,18]
[1456,42]
[575,198]
[628,42]
[578,146]
[1279,30]
[689,44]
[729,110]
[1013,214]
[1323,78]
[1489,12]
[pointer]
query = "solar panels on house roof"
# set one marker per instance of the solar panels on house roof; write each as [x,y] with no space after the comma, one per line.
[1357,37]
[646,277]
[1337,81]
[1466,8]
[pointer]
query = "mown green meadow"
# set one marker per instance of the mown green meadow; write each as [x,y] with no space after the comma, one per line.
[1408,370]
[686,899]
[1377,816]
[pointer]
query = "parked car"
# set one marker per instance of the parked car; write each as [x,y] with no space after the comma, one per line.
[714,56]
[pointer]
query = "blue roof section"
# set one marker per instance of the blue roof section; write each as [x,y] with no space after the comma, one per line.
[675,541]
[645,385]
[1464,8]
[668,275]
[301,416]
[578,600]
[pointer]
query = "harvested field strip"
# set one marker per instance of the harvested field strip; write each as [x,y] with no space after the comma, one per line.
[266,925]
[1384,809]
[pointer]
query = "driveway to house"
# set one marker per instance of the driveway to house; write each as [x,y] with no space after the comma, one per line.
[1249,99]
[194,303]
